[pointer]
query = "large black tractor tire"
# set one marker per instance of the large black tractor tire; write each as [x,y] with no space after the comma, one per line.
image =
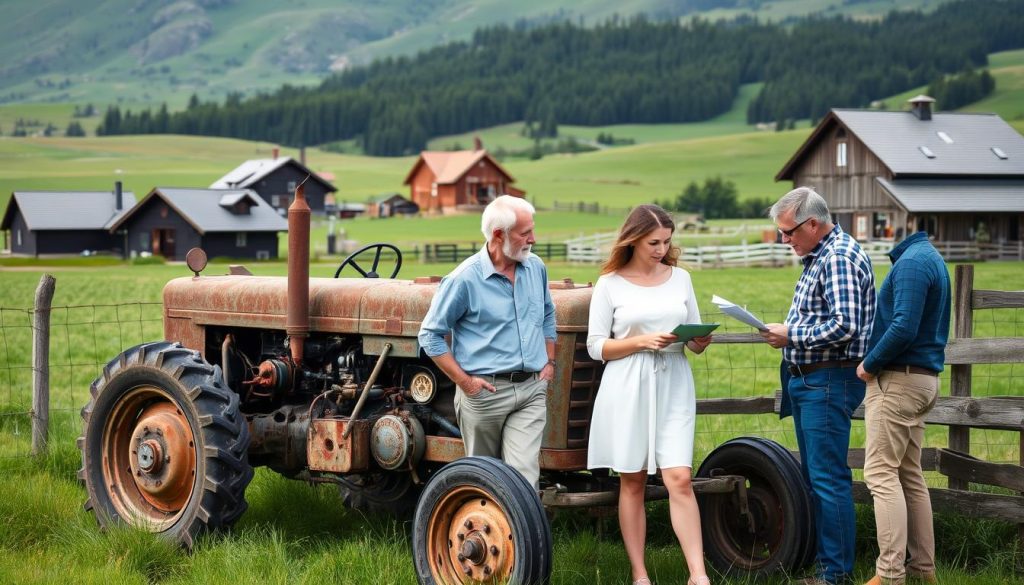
[391,493]
[778,530]
[479,521]
[786,458]
[164,446]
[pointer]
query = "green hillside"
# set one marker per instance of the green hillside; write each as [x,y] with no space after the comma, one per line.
[144,53]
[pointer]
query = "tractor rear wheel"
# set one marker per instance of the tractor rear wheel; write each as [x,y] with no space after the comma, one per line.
[164,446]
[777,528]
[479,521]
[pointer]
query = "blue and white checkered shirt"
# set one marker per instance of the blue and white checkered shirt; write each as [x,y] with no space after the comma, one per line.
[834,304]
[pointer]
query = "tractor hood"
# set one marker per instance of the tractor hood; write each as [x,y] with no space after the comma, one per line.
[343,305]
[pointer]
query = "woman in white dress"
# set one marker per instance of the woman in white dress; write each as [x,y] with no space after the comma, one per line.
[645,409]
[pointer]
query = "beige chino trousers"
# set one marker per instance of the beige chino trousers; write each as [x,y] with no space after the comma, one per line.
[895,406]
[507,424]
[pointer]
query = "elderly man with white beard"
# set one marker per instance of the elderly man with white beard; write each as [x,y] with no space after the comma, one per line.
[497,308]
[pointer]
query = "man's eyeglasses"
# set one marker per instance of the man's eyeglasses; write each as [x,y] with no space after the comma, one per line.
[789,233]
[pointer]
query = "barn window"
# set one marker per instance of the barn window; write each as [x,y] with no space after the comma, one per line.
[926,151]
[433,189]
[291,186]
[19,237]
[945,137]
[240,240]
[263,254]
[841,154]
[143,241]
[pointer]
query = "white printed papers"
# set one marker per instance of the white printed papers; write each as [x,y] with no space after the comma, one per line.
[737,312]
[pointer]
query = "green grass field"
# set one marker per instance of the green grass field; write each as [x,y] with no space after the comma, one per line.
[297,533]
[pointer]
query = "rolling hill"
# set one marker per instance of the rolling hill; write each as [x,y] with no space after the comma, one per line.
[144,52]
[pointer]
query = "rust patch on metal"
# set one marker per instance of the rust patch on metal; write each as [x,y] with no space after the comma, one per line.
[327,450]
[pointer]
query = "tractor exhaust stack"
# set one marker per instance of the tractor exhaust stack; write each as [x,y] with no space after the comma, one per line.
[297,321]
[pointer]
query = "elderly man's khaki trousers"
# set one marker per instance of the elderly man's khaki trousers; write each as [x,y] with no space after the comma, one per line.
[894,410]
[508,424]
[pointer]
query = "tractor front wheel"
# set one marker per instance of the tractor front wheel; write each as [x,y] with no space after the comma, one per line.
[479,521]
[164,446]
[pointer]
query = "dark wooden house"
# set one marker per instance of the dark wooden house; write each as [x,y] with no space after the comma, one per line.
[960,177]
[464,179]
[275,179]
[230,223]
[42,223]
[390,204]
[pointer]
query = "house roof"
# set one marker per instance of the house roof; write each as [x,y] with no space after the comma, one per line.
[449,166]
[67,210]
[203,210]
[248,173]
[956,195]
[897,138]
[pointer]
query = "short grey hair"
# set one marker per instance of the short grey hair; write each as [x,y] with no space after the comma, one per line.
[500,214]
[805,204]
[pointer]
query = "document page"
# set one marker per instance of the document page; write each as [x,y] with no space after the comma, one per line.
[737,312]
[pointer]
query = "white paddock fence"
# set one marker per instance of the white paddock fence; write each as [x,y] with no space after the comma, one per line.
[595,249]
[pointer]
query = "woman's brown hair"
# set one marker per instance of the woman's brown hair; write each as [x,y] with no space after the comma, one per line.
[640,222]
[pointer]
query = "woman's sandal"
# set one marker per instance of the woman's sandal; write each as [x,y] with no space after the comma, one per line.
[702,580]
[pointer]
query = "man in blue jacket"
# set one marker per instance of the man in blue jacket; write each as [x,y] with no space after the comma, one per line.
[902,374]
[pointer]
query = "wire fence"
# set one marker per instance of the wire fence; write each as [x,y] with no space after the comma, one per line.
[83,338]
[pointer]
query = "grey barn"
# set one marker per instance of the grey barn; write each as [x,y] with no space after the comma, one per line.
[228,223]
[275,179]
[43,223]
[958,176]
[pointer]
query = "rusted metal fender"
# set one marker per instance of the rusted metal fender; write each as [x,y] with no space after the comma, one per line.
[339,305]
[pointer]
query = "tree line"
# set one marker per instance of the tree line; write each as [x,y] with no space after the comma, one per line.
[634,70]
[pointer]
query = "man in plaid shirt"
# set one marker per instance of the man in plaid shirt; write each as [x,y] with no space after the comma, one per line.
[824,338]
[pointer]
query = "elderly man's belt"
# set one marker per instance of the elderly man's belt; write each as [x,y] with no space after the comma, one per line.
[804,369]
[908,369]
[514,377]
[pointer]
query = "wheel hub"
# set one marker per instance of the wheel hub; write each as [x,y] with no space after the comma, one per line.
[162,457]
[478,539]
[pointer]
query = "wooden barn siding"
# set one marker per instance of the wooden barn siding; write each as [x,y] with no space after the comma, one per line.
[483,173]
[276,183]
[75,241]
[957,227]
[145,220]
[849,188]
[419,188]
[28,238]
[223,244]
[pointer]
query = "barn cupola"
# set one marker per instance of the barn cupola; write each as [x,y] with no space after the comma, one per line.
[921,106]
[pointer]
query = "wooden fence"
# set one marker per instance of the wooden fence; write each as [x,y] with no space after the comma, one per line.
[960,412]
[454,252]
[593,249]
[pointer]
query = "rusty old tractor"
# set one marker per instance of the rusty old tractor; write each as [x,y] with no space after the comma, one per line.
[322,380]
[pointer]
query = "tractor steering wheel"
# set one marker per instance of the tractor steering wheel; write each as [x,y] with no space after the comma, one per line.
[351,261]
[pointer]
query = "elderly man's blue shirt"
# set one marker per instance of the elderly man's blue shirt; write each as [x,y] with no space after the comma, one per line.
[495,326]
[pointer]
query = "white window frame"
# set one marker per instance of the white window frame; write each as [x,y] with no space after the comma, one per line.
[241,239]
[263,254]
[841,154]
[19,238]
[291,187]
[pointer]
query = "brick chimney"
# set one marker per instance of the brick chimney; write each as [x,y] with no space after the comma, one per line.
[117,195]
[477,143]
[276,152]
[302,155]
[921,106]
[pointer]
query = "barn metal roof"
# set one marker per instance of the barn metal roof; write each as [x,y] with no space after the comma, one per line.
[248,173]
[67,210]
[965,144]
[956,195]
[202,209]
[897,137]
[449,166]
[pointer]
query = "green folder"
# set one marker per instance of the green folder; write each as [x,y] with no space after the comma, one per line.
[688,332]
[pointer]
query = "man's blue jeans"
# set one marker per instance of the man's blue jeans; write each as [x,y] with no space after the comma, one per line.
[823,402]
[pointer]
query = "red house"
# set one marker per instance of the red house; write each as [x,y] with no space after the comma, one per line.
[442,182]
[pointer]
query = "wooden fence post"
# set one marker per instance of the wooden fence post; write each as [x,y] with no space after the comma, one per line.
[960,374]
[41,364]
